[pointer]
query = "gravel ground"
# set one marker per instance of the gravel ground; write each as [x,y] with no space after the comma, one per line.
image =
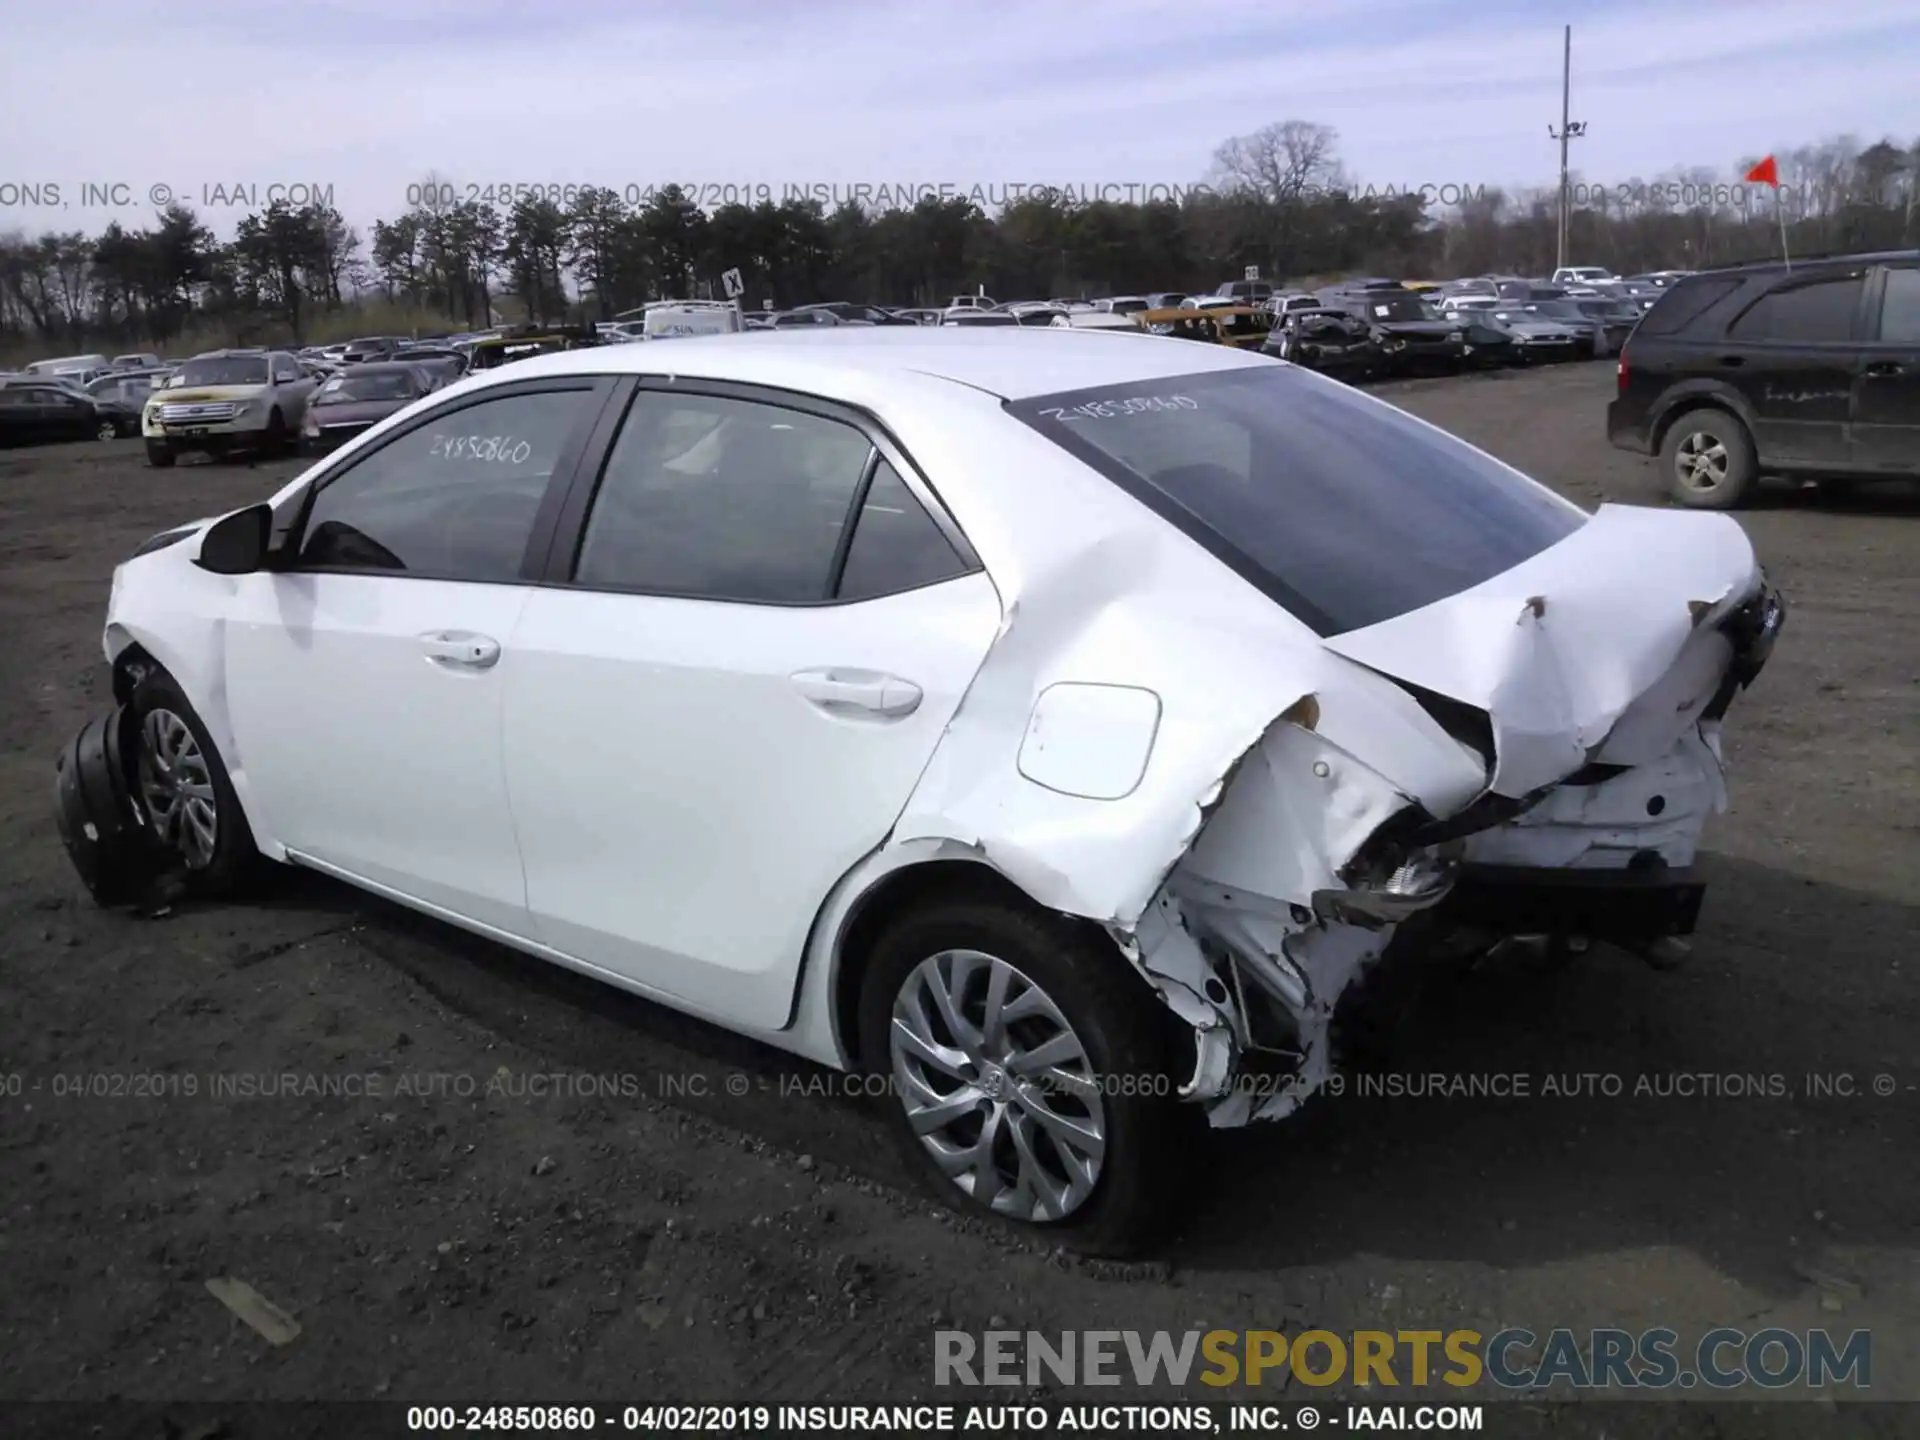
[708,1220]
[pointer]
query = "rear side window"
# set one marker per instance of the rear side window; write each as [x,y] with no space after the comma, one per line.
[1821,311]
[896,545]
[1341,508]
[1900,308]
[1686,302]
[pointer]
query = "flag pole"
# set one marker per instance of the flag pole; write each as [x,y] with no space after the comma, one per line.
[1780,210]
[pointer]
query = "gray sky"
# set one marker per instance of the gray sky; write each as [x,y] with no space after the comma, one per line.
[215,101]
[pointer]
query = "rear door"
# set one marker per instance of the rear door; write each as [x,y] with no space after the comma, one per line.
[1793,354]
[1886,404]
[728,688]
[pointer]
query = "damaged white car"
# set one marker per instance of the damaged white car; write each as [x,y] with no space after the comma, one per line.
[1055,724]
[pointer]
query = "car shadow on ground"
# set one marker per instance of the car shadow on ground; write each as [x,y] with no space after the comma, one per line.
[1533,1112]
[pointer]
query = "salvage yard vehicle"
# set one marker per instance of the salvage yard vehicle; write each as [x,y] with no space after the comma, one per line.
[1810,371]
[1331,342]
[1054,725]
[227,401]
[1415,339]
[360,397]
[1224,323]
[34,410]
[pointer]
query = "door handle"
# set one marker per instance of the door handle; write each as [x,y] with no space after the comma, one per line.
[1886,367]
[1733,362]
[867,691]
[460,649]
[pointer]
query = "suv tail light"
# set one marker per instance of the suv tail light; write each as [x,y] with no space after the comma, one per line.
[1621,374]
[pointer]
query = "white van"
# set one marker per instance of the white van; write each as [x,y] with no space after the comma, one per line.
[89,366]
[669,319]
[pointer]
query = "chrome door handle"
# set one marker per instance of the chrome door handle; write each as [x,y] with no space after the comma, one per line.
[862,690]
[460,649]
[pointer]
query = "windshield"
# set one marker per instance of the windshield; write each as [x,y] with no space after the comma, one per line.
[379,385]
[221,370]
[1389,306]
[1341,508]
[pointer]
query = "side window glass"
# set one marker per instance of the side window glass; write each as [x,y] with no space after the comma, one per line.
[1821,311]
[454,499]
[722,500]
[1900,308]
[896,545]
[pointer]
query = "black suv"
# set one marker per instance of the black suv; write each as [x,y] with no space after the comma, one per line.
[1809,369]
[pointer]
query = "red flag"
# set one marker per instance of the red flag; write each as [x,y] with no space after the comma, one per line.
[1765,173]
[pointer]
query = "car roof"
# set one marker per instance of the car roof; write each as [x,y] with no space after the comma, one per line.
[1013,362]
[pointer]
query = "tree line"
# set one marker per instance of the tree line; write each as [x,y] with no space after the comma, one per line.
[1278,199]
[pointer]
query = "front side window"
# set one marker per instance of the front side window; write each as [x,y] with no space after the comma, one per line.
[723,499]
[455,498]
[1900,308]
[1341,508]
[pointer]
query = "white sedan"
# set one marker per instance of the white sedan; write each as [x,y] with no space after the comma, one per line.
[1054,725]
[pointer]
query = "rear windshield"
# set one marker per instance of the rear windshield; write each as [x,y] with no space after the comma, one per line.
[1342,508]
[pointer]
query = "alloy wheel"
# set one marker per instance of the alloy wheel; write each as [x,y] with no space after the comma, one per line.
[177,785]
[997,1086]
[1701,461]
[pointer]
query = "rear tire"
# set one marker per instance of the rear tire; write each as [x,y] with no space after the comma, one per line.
[186,793]
[159,456]
[1083,1050]
[1708,460]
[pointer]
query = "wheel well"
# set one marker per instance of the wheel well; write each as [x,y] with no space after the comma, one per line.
[1689,406]
[130,667]
[906,889]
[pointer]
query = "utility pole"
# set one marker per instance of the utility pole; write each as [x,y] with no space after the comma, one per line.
[1569,130]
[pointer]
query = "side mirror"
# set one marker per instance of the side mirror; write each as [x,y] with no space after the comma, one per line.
[237,545]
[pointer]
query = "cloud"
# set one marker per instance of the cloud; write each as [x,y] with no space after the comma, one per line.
[369,96]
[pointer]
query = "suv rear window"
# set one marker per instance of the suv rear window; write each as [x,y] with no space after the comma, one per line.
[1341,508]
[1808,311]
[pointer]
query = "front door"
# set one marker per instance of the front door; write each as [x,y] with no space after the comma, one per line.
[731,700]
[1886,413]
[366,677]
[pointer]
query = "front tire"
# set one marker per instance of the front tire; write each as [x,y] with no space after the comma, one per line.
[1709,461]
[186,793]
[159,456]
[1031,1075]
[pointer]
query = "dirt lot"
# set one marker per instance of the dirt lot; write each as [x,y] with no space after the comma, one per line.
[722,1228]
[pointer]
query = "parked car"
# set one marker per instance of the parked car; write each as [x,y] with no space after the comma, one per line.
[1618,317]
[374,347]
[139,360]
[1542,340]
[1414,337]
[803,319]
[1123,304]
[981,317]
[360,397]
[1330,341]
[678,319]
[995,836]
[443,365]
[90,367]
[865,314]
[1094,320]
[1245,292]
[1486,343]
[34,410]
[127,387]
[227,401]
[1593,336]
[1582,275]
[972,302]
[1240,326]
[1812,371]
[922,315]
[1165,299]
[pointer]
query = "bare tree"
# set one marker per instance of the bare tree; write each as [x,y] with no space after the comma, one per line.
[1283,162]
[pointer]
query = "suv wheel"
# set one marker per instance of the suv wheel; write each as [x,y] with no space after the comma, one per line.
[1709,460]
